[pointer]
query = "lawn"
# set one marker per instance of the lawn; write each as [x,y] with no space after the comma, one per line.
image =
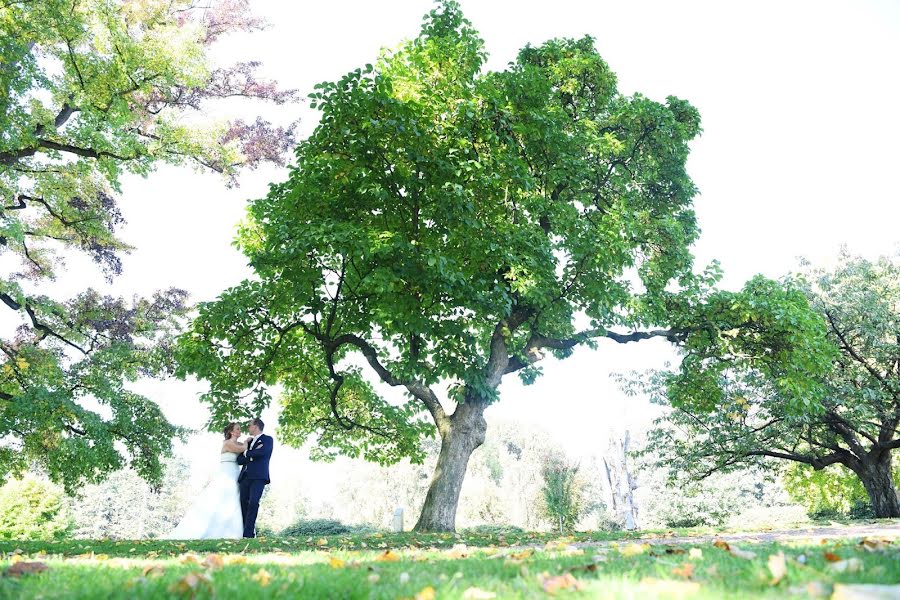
[470,566]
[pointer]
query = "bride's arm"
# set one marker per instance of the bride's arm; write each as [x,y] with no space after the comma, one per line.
[236,447]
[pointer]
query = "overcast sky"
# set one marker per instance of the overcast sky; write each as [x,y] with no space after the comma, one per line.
[799,154]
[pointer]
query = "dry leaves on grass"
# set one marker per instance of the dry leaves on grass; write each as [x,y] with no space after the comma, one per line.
[866,591]
[262,577]
[555,583]
[459,551]
[851,565]
[875,545]
[634,549]
[777,567]
[214,561]
[153,571]
[426,593]
[20,568]
[668,588]
[685,571]
[832,557]
[734,550]
[191,583]
[336,563]
[388,556]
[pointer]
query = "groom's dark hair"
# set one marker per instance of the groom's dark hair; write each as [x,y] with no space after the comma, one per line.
[259,423]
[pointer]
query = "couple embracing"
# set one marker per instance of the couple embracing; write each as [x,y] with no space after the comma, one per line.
[227,507]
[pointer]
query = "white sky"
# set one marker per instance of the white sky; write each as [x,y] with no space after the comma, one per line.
[798,156]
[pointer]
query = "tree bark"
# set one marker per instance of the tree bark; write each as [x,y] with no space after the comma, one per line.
[876,478]
[463,433]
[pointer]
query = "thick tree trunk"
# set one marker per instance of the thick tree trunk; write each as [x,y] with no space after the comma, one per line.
[463,433]
[876,477]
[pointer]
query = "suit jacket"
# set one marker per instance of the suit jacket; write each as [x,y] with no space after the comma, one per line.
[255,463]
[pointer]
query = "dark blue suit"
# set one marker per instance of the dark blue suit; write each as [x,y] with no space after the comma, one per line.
[253,479]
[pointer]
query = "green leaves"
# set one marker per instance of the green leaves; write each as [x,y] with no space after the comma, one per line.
[440,220]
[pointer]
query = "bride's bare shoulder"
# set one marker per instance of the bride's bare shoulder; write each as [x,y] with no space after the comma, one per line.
[232,446]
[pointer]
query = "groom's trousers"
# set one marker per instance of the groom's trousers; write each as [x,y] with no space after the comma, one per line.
[251,492]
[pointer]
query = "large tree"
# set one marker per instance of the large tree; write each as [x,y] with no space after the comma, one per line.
[91,90]
[729,413]
[444,224]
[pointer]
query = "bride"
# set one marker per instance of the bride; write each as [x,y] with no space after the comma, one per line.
[216,511]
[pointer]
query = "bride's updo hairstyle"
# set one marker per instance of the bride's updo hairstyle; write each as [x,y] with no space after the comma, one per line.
[229,428]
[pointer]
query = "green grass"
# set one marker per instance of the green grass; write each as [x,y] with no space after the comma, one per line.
[355,567]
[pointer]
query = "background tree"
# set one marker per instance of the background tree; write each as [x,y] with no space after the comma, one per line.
[733,410]
[33,508]
[562,493]
[91,90]
[445,224]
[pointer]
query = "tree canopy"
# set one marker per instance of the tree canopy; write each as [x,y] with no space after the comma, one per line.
[91,90]
[744,404]
[444,223]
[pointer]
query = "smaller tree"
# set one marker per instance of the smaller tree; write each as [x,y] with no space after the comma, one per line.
[806,370]
[32,508]
[563,497]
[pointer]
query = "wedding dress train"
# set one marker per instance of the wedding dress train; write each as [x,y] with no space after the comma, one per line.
[216,511]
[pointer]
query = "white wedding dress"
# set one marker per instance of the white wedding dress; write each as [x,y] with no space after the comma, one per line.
[216,511]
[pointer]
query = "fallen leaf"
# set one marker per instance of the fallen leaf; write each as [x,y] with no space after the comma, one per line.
[189,559]
[745,554]
[153,570]
[868,591]
[459,551]
[474,593]
[523,554]
[634,549]
[675,550]
[235,559]
[262,577]
[388,556]
[336,563]
[668,587]
[426,593]
[851,565]
[777,567]
[20,568]
[875,545]
[190,583]
[554,583]
[404,578]
[696,553]
[101,557]
[685,571]
[322,542]
[722,545]
[832,557]
[213,561]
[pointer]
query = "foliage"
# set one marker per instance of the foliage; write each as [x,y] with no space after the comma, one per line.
[802,370]
[91,91]
[831,492]
[400,569]
[125,506]
[563,495]
[447,224]
[320,527]
[32,508]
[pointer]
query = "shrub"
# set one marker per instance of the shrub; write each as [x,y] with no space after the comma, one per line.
[321,527]
[32,508]
[563,496]
[493,530]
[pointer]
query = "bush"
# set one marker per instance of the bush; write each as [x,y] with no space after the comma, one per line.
[31,508]
[834,492]
[493,530]
[322,527]
[563,496]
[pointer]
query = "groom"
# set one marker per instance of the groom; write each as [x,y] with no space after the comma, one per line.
[254,475]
